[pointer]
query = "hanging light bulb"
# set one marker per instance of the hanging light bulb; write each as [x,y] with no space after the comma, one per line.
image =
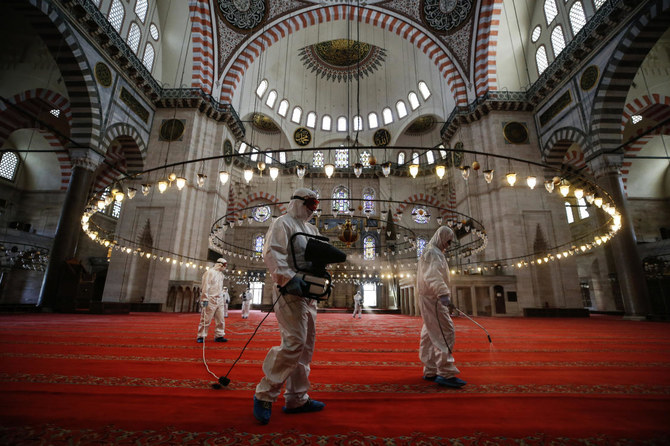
[172,177]
[590,197]
[274,172]
[261,166]
[488,175]
[440,170]
[579,193]
[511,178]
[131,193]
[564,188]
[531,181]
[358,169]
[300,171]
[119,196]
[146,188]
[224,176]
[386,168]
[413,170]
[248,175]
[549,185]
[181,182]
[465,171]
[598,201]
[162,186]
[101,204]
[329,169]
[201,179]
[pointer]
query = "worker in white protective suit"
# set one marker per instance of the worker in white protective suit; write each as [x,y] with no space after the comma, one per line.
[246,297]
[289,362]
[358,304]
[437,333]
[226,301]
[212,302]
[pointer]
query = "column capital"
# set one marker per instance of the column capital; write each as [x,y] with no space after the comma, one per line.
[89,159]
[606,164]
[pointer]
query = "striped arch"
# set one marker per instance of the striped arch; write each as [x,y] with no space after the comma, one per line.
[202,36]
[71,60]
[556,154]
[632,150]
[485,50]
[32,102]
[608,105]
[257,196]
[655,107]
[134,148]
[313,17]
[63,158]
[428,199]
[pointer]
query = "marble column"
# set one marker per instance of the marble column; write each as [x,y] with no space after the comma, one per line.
[84,164]
[627,262]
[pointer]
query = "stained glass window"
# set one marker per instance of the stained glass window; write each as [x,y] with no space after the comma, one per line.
[317,159]
[365,158]
[341,199]
[259,241]
[261,213]
[8,164]
[368,199]
[341,158]
[420,245]
[369,248]
[420,215]
[401,158]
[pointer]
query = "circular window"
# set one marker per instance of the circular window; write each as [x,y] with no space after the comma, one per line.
[261,213]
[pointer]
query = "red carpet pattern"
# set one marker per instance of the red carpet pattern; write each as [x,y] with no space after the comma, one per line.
[140,379]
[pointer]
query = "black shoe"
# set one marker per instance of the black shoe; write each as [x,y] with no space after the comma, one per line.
[221,339]
[199,340]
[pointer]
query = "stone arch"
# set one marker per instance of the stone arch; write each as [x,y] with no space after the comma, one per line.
[383,19]
[123,154]
[556,150]
[74,68]
[488,23]
[425,198]
[654,106]
[202,39]
[608,105]
[258,196]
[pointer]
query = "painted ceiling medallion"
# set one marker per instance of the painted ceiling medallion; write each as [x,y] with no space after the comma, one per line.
[342,59]
[445,15]
[264,123]
[243,14]
[421,125]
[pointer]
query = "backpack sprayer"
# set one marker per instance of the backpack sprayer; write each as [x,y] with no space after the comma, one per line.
[318,254]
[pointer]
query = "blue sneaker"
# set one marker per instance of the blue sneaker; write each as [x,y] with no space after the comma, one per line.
[220,339]
[199,340]
[453,382]
[429,378]
[309,406]
[262,410]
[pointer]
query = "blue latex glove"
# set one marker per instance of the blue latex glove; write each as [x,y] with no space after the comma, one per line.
[204,303]
[445,300]
[296,286]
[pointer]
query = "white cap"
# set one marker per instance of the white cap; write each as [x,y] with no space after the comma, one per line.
[222,260]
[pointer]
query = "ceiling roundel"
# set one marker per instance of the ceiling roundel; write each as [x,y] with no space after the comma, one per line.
[445,15]
[340,59]
[243,14]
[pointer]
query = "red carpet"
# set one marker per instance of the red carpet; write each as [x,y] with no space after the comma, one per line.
[139,379]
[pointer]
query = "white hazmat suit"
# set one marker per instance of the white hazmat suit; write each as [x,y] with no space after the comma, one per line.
[226,301]
[358,304]
[246,303]
[437,333]
[289,362]
[212,293]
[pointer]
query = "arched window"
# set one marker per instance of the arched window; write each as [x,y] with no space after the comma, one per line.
[260,90]
[326,123]
[368,200]
[259,241]
[9,163]
[282,157]
[373,122]
[568,212]
[242,148]
[342,157]
[341,199]
[134,36]
[148,59]
[365,158]
[317,159]
[577,17]
[423,89]
[358,123]
[430,157]
[598,3]
[387,115]
[296,115]
[311,120]
[369,246]
[557,40]
[141,9]
[583,213]
[116,14]
[268,157]
[415,157]
[550,11]
[272,98]
[254,154]
[413,100]
[342,124]
[401,158]
[401,108]
[420,245]
[283,108]
[541,59]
